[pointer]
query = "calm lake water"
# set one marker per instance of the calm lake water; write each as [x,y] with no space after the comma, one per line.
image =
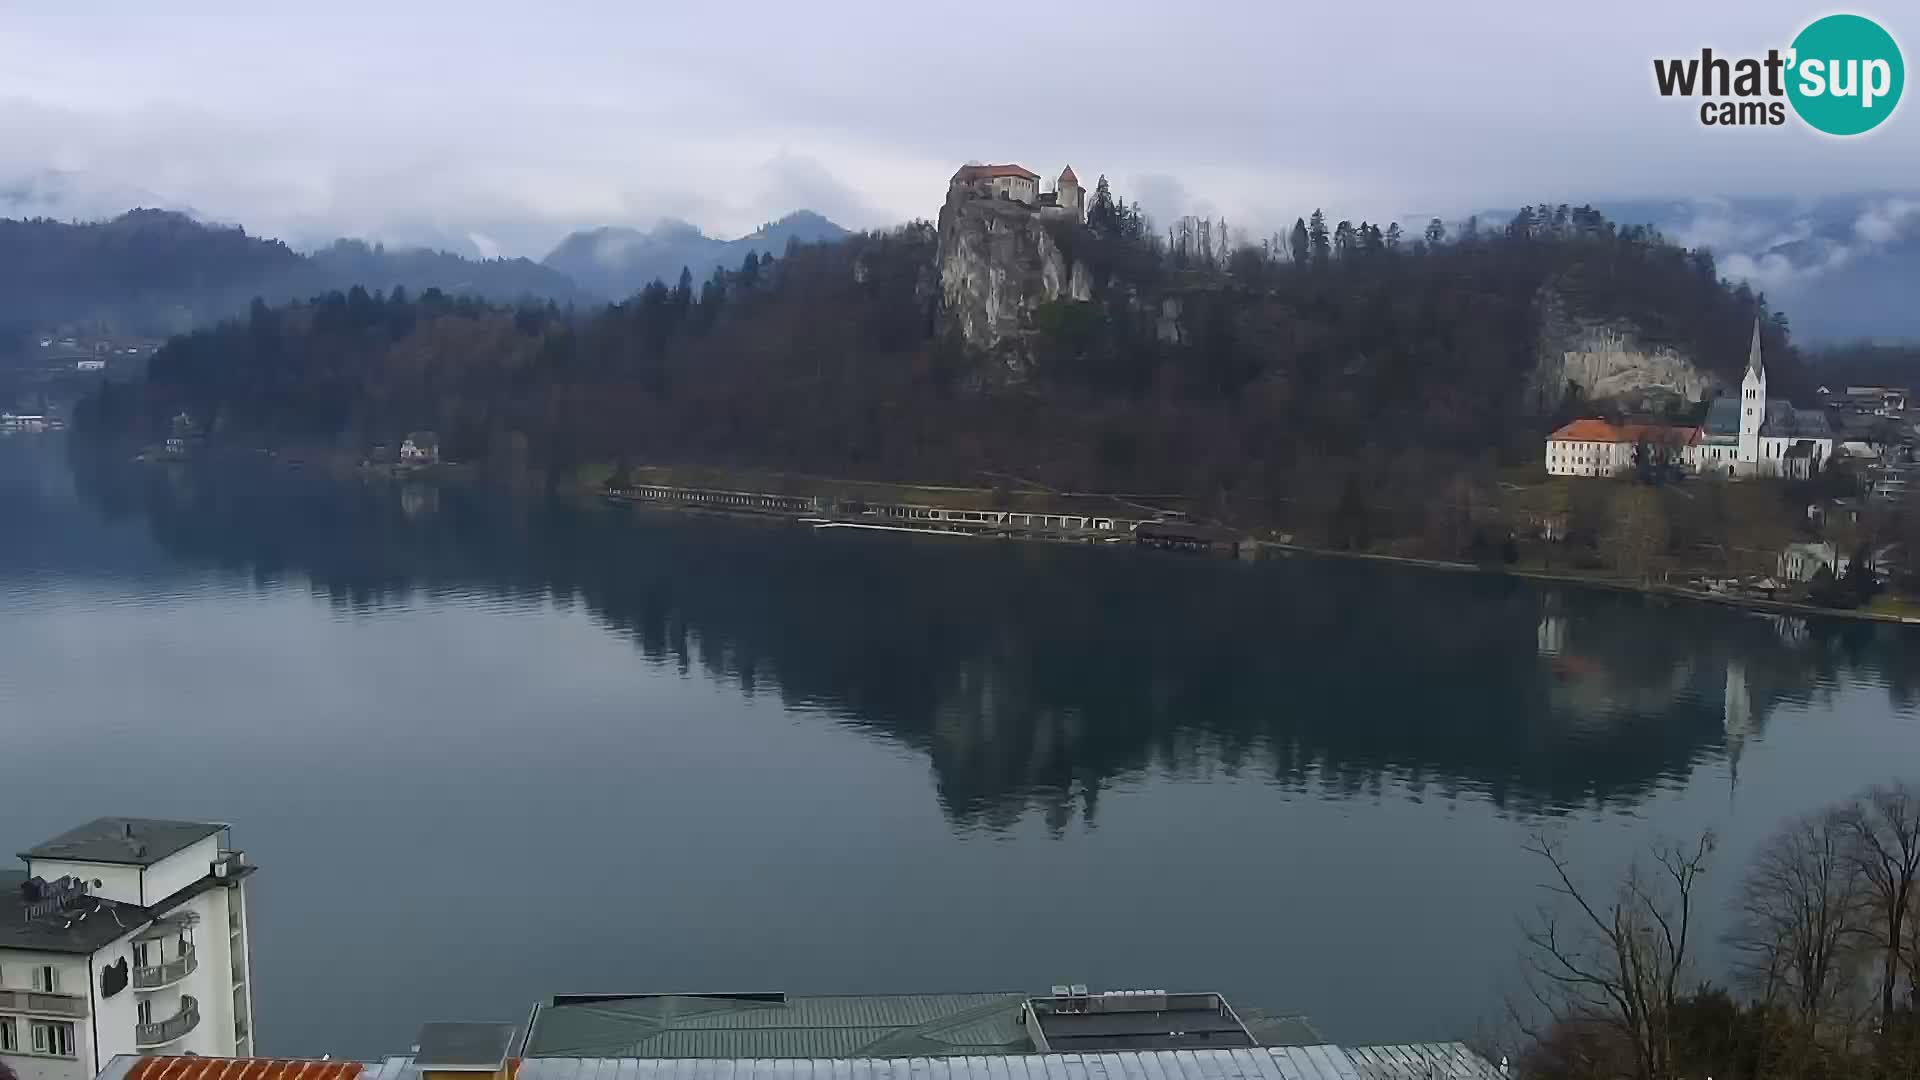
[486,750]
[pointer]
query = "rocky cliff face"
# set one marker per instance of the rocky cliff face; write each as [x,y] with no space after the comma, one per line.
[1604,361]
[997,262]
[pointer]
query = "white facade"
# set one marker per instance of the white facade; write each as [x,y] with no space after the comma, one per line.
[1748,444]
[1594,447]
[1753,405]
[174,977]
[1800,562]
[1587,457]
[1017,188]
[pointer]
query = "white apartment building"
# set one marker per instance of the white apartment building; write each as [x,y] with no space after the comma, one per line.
[124,936]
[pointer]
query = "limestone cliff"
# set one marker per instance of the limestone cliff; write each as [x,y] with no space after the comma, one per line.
[997,263]
[1605,361]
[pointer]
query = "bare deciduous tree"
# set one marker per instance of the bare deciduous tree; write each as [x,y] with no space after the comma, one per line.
[1619,962]
[1884,836]
[1802,910]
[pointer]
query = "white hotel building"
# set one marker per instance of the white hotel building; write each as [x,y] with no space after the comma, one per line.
[124,936]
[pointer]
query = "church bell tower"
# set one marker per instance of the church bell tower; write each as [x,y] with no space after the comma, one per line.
[1753,404]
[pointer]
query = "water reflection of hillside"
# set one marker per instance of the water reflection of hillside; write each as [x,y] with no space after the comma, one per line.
[1034,678]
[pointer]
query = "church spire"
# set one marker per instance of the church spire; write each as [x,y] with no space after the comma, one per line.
[1753,353]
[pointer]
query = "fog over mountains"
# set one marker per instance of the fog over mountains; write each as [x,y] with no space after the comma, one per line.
[1843,268]
[617,262]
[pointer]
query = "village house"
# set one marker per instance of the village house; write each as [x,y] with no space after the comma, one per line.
[1601,448]
[1016,183]
[1800,562]
[420,448]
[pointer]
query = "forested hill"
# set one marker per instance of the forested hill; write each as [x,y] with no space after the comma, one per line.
[155,272]
[1369,368]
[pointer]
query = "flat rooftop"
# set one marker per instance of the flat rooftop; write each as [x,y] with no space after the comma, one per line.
[1079,1022]
[464,1047]
[124,841]
[776,1025]
[82,926]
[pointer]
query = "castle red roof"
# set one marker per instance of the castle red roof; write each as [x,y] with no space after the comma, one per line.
[1067,177]
[989,172]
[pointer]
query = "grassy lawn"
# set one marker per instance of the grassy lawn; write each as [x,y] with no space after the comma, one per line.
[1907,607]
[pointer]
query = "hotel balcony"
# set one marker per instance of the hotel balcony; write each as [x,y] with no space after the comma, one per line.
[161,976]
[162,1032]
[26,1001]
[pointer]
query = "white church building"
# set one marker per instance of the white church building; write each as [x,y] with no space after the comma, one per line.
[1751,435]
[1754,435]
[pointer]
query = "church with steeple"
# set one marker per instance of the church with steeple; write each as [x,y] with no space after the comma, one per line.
[1754,435]
[1751,435]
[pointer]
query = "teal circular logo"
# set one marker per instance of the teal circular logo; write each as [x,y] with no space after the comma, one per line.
[1846,74]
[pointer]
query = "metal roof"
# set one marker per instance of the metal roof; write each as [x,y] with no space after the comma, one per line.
[1422,1061]
[1450,1061]
[482,1047]
[1279,1029]
[776,1026]
[124,841]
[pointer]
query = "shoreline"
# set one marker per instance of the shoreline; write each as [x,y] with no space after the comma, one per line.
[1259,548]
[1777,607]
[778,508]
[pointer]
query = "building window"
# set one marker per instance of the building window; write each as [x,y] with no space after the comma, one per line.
[144,1010]
[53,1038]
[9,1036]
[141,956]
[46,979]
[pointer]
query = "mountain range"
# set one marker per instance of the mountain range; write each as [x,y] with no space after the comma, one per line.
[617,262]
[1843,268]
[160,272]
[151,272]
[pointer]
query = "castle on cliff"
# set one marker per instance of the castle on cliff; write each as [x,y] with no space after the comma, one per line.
[1015,183]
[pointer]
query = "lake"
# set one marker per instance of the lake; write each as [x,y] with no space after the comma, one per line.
[489,749]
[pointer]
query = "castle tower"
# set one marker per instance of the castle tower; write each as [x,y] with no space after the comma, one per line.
[1753,404]
[1071,196]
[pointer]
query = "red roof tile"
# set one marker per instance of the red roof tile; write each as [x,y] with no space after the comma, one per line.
[1600,431]
[1587,430]
[990,172]
[214,1068]
[1067,177]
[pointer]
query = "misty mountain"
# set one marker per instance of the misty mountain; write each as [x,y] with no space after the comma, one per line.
[618,262]
[69,196]
[159,272]
[1842,268]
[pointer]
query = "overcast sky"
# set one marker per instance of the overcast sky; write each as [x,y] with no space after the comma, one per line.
[510,124]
